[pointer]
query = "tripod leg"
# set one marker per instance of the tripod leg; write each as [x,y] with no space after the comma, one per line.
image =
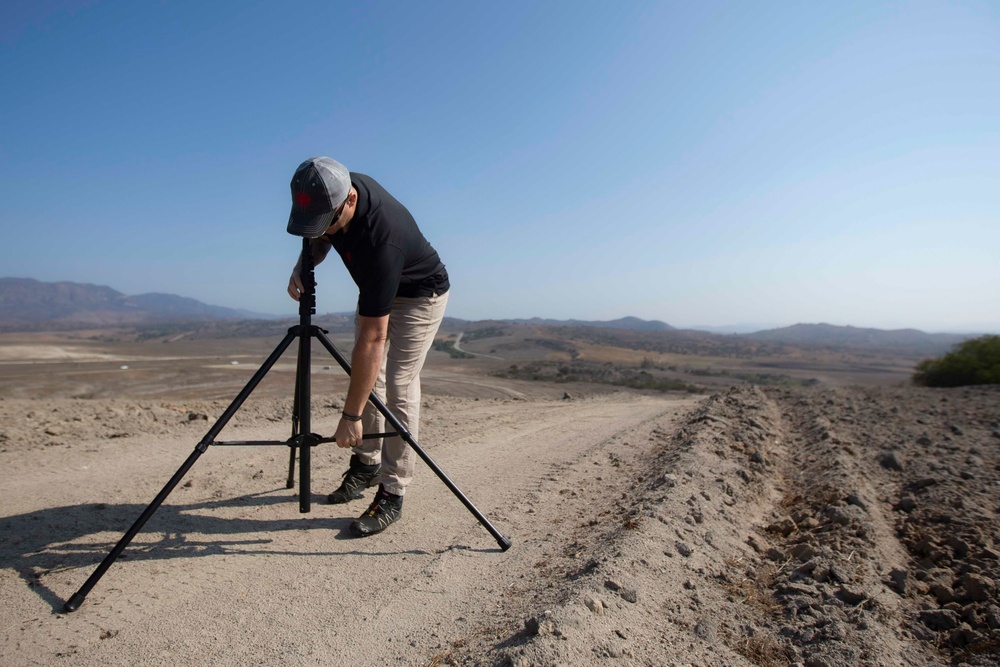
[303,418]
[504,542]
[77,598]
[290,482]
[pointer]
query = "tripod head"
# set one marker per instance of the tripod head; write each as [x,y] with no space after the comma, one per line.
[307,300]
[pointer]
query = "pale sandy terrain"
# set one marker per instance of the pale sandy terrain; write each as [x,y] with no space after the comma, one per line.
[829,526]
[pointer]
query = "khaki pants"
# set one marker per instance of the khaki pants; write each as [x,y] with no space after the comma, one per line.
[413,322]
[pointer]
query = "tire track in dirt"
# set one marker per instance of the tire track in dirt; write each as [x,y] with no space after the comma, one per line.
[833,542]
[817,527]
[885,535]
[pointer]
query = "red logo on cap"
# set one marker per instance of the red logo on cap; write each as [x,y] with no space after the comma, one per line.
[302,199]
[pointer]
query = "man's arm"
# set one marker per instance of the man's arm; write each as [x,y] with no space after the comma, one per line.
[320,248]
[366,361]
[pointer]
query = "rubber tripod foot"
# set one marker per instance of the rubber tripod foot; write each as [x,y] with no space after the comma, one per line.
[73,603]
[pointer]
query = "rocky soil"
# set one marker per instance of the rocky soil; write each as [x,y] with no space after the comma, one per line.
[849,526]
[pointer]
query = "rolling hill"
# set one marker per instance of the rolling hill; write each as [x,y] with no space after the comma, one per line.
[829,335]
[27,304]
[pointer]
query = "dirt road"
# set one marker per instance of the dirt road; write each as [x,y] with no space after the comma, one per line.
[228,571]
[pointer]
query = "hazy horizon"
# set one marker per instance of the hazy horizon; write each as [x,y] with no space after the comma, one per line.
[701,165]
[732,327]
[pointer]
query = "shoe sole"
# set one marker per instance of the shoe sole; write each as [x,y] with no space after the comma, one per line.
[357,532]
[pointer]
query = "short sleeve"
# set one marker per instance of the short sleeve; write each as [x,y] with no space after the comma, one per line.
[380,281]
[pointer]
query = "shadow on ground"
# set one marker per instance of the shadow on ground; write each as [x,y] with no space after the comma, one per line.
[58,539]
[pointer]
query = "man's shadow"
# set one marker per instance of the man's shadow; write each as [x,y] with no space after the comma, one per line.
[39,543]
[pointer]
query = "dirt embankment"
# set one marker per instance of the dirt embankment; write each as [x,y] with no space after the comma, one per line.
[813,527]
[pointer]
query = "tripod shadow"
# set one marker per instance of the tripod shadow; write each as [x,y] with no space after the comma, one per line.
[52,540]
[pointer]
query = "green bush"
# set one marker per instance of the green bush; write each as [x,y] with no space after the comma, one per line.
[975,361]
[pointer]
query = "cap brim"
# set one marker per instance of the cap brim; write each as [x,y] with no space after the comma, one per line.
[309,226]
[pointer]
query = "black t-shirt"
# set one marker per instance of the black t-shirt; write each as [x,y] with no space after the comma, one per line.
[385,252]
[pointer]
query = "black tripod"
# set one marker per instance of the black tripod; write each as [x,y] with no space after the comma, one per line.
[302,438]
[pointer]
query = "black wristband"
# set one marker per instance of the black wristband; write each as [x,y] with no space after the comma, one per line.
[350,418]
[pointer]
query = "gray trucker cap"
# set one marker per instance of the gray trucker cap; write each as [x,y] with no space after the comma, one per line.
[320,185]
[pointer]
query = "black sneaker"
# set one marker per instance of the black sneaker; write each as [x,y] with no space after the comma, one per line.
[384,510]
[357,478]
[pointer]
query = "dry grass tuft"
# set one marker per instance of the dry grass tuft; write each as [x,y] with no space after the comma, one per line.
[754,592]
[443,658]
[760,648]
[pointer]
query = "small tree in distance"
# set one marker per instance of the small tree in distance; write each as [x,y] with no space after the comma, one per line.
[976,361]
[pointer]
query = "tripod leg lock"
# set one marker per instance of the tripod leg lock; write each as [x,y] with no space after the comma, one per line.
[306,440]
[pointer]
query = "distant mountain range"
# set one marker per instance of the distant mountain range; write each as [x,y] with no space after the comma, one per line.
[837,336]
[630,323]
[740,328]
[29,304]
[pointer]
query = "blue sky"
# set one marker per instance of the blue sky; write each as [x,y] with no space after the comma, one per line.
[697,163]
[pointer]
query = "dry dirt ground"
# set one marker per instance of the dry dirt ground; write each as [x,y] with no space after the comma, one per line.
[823,526]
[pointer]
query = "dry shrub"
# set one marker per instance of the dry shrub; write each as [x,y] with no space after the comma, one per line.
[755,592]
[760,648]
[441,659]
[763,650]
[755,596]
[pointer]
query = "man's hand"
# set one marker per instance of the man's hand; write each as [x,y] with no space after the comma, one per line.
[295,288]
[320,248]
[348,434]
